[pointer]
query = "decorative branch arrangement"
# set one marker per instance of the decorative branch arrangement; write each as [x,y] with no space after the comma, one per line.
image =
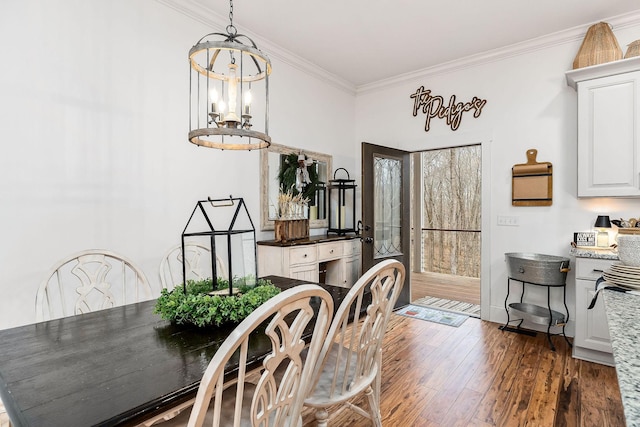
[291,206]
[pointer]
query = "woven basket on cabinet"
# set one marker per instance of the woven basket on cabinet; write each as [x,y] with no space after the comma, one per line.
[633,49]
[599,46]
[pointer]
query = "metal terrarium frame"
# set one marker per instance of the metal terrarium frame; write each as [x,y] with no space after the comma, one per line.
[239,207]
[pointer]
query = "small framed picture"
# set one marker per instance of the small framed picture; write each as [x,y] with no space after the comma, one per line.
[584,238]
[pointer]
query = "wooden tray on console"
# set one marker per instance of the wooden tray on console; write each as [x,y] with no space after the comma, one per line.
[629,230]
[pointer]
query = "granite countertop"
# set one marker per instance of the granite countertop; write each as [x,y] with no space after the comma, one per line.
[582,252]
[623,316]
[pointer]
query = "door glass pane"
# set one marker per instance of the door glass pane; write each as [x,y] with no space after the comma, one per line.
[387,199]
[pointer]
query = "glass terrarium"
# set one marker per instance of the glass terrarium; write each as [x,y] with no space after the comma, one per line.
[225,226]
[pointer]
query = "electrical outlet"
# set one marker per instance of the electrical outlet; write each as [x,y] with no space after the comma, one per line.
[510,221]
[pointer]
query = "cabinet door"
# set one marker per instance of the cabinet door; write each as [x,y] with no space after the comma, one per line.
[352,270]
[608,129]
[592,330]
[308,272]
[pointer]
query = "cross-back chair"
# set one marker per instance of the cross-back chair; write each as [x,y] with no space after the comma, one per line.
[197,265]
[350,360]
[261,398]
[87,281]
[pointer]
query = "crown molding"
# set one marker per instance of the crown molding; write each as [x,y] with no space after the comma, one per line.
[602,70]
[200,13]
[570,35]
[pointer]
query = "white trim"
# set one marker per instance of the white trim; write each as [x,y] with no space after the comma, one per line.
[484,138]
[206,16]
[196,11]
[485,236]
[570,35]
[602,70]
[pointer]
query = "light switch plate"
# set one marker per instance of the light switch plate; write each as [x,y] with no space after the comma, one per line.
[509,221]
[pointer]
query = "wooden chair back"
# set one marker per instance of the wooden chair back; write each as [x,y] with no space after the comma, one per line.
[349,362]
[87,281]
[263,398]
[197,263]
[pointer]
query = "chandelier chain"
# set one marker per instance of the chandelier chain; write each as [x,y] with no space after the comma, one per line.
[231,29]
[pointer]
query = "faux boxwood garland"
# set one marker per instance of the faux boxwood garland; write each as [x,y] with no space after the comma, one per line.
[199,308]
[287,177]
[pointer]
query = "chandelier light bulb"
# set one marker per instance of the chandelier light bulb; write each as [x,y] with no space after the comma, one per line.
[247,102]
[213,96]
[222,107]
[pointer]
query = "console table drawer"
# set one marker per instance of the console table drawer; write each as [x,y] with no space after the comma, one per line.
[303,255]
[352,247]
[328,251]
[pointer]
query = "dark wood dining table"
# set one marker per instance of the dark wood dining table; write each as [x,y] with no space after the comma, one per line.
[117,366]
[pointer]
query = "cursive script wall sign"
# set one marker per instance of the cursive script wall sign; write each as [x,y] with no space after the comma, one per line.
[434,106]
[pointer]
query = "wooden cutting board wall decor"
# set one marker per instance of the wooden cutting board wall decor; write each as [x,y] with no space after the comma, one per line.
[532,182]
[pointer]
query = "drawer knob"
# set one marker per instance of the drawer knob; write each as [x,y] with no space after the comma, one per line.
[331,251]
[304,256]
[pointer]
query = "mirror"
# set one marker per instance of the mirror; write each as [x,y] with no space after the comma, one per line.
[271,161]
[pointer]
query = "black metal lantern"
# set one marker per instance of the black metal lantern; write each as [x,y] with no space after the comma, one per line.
[226,227]
[318,204]
[342,204]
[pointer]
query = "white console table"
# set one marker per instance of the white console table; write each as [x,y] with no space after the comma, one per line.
[334,260]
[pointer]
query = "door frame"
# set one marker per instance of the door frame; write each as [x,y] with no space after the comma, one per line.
[484,138]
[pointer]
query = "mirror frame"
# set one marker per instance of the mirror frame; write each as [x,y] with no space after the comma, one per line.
[266,223]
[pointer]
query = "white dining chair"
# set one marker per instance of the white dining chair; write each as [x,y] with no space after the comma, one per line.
[261,398]
[349,364]
[4,417]
[197,264]
[87,281]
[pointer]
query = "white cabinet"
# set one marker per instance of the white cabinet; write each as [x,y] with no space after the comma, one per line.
[608,128]
[338,260]
[352,270]
[592,341]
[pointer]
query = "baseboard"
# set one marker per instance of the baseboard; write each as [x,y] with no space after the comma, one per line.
[593,356]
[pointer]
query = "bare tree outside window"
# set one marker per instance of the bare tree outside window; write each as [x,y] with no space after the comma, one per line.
[451,184]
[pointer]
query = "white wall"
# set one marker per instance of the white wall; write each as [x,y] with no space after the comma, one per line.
[529,105]
[94,154]
[93,141]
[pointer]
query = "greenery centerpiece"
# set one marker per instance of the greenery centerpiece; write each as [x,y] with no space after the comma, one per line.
[201,307]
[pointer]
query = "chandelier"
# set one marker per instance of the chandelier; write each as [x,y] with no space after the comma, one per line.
[228,76]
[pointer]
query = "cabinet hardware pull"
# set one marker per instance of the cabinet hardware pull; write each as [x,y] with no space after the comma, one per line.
[304,256]
[595,270]
[331,251]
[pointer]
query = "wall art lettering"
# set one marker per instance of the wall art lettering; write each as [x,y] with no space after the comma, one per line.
[434,106]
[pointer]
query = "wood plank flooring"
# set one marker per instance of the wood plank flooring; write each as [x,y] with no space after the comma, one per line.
[447,286]
[477,375]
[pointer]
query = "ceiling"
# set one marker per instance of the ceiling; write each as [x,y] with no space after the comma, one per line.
[365,41]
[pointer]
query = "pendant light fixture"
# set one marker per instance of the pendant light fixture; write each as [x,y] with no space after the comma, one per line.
[229,82]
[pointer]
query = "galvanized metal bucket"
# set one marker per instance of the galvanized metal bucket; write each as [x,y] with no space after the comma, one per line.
[540,269]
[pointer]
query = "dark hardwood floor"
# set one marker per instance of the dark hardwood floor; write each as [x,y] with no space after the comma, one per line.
[478,375]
